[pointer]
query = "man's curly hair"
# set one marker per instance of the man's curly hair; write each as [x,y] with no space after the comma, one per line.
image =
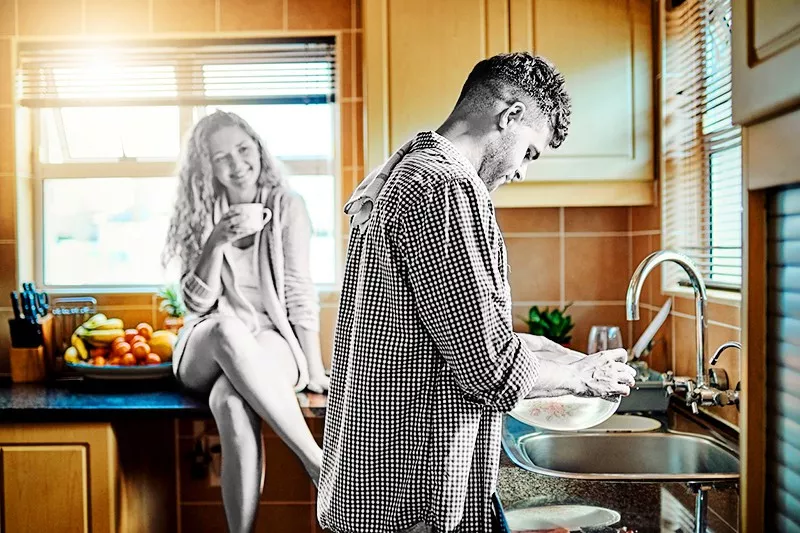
[511,76]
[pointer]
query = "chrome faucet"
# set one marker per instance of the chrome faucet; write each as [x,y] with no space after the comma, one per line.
[697,391]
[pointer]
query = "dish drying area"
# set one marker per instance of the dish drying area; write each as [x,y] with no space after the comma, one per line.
[645,463]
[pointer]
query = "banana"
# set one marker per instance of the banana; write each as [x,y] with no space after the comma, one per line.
[78,343]
[71,355]
[95,321]
[111,323]
[101,337]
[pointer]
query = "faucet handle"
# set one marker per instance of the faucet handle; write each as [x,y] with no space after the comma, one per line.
[718,378]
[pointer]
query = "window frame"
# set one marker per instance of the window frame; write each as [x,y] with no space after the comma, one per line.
[129,167]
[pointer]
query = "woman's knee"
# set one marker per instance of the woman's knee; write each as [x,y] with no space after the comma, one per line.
[223,399]
[230,335]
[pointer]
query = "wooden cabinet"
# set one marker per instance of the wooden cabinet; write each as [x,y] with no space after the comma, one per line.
[58,478]
[766,59]
[418,53]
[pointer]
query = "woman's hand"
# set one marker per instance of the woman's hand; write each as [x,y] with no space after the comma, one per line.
[231,227]
[318,383]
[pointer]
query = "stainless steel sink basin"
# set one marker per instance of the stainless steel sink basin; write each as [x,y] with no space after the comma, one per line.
[673,457]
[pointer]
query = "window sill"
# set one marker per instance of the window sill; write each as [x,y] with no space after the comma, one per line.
[715,296]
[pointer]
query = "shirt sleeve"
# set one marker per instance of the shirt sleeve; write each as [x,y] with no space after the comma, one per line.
[302,301]
[197,295]
[449,243]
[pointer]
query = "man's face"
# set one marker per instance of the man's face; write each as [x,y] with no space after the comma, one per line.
[519,140]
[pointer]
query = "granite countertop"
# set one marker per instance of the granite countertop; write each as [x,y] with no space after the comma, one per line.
[643,507]
[79,399]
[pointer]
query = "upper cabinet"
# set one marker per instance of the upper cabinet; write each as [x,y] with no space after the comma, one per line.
[766,59]
[418,53]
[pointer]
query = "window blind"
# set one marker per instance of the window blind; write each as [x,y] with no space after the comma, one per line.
[702,185]
[176,73]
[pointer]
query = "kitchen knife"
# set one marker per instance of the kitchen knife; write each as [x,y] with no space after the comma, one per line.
[650,331]
[15,305]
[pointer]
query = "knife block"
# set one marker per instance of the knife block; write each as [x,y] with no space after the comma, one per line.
[28,364]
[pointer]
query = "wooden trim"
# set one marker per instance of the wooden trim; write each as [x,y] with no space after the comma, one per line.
[375,68]
[772,153]
[752,418]
[575,194]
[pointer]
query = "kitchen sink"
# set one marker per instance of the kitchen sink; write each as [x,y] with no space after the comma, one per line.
[664,456]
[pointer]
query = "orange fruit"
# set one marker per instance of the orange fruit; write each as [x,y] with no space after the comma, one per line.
[153,359]
[130,334]
[98,351]
[128,359]
[114,361]
[145,330]
[100,361]
[140,350]
[117,341]
[120,349]
[137,338]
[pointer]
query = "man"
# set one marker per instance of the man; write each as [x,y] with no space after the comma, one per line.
[425,360]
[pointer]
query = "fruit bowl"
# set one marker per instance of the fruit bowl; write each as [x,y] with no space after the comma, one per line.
[119,372]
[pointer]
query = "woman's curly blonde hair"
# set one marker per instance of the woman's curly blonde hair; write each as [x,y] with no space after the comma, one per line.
[198,189]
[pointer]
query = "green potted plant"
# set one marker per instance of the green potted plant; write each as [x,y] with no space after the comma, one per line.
[555,324]
[172,304]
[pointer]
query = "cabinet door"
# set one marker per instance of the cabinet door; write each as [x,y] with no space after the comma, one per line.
[417,56]
[61,474]
[45,489]
[766,58]
[604,50]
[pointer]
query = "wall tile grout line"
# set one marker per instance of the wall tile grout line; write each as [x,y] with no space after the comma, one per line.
[562,251]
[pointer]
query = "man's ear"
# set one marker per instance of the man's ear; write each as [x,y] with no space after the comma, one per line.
[512,113]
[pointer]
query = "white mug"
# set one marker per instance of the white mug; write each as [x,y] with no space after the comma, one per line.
[256,215]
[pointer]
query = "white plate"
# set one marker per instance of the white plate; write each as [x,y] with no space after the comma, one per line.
[564,413]
[572,517]
[626,424]
[123,372]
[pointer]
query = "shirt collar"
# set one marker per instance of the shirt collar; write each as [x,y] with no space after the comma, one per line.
[432,140]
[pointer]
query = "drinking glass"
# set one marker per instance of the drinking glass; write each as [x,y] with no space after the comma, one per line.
[603,338]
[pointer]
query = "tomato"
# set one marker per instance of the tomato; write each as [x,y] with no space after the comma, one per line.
[145,330]
[120,349]
[140,350]
[130,334]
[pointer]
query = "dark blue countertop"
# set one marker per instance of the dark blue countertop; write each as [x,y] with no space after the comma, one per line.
[78,399]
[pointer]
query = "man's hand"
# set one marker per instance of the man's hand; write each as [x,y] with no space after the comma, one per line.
[564,371]
[603,374]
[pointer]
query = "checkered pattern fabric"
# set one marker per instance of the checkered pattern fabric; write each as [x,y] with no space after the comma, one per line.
[425,360]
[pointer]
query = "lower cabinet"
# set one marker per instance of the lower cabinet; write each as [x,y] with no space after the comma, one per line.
[59,477]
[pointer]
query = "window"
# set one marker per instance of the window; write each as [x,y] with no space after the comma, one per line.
[108,128]
[702,186]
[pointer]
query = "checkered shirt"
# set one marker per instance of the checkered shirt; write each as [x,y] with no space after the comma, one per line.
[425,361]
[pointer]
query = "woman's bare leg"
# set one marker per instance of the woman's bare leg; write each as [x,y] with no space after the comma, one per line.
[225,345]
[240,437]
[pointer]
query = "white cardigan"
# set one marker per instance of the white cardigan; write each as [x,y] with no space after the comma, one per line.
[290,297]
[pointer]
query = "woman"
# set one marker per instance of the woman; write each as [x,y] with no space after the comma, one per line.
[254,340]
